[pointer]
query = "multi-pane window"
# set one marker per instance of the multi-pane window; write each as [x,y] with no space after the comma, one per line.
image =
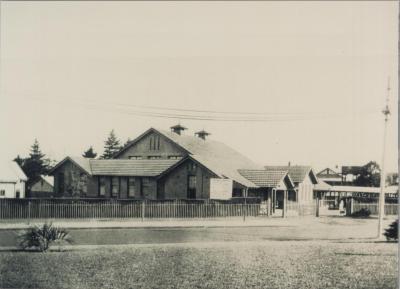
[154,157]
[174,157]
[2,192]
[135,157]
[102,186]
[114,186]
[192,182]
[131,187]
[146,186]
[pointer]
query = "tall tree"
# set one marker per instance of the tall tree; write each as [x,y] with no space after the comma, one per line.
[369,175]
[111,146]
[89,153]
[36,164]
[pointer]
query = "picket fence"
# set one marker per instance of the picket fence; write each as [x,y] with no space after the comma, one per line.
[97,209]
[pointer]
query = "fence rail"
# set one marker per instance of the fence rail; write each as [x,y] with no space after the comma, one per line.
[390,209]
[43,209]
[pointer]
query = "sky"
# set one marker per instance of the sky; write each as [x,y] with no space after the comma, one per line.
[70,72]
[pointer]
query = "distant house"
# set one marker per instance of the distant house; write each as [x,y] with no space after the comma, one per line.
[161,164]
[304,180]
[12,180]
[330,177]
[43,187]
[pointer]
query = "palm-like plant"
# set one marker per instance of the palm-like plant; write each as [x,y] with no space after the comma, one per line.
[41,237]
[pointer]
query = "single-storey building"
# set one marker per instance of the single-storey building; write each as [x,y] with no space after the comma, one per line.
[304,180]
[161,164]
[12,180]
[43,187]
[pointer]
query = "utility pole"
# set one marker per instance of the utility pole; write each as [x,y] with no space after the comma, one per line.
[386,113]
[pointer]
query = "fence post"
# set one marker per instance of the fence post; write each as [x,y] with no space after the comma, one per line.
[284,204]
[29,212]
[143,210]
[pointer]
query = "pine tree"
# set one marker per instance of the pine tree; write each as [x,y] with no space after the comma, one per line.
[111,146]
[89,153]
[36,164]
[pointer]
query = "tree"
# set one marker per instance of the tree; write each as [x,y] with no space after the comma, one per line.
[369,175]
[111,146]
[89,153]
[34,165]
[127,141]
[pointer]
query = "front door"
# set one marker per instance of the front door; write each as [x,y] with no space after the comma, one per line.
[191,190]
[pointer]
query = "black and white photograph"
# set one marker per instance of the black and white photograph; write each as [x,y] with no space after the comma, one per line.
[199,144]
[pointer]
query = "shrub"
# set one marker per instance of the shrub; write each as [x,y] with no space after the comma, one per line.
[41,237]
[363,213]
[392,233]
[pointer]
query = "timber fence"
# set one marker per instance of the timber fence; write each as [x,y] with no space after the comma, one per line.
[136,209]
[390,209]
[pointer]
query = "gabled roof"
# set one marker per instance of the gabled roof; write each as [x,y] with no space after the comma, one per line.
[328,173]
[265,178]
[82,163]
[117,167]
[11,172]
[216,156]
[297,173]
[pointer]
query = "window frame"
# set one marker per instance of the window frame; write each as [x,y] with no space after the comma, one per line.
[100,186]
[112,186]
[129,187]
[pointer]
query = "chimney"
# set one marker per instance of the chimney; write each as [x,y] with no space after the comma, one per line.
[177,129]
[202,134]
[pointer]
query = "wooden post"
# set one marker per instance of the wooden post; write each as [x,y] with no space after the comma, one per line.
[143,209]
[29,212]
[317,204]
[284,204]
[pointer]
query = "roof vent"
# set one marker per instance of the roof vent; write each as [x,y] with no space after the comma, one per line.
[202,134]
[177,129]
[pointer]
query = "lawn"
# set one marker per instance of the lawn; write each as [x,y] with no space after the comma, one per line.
[261,264]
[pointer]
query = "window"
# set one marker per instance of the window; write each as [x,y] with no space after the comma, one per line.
[135,157]
[2,192]
[174,157]
[131,187]
[61,183]
[154,157]
[114,186]
[146,187]
[102,186]
[192,182]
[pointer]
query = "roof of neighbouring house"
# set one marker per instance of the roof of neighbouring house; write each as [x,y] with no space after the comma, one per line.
[265,178]
[120,167]
[297,173]
[328,173]
[48,179]
[322,186]
[11,172]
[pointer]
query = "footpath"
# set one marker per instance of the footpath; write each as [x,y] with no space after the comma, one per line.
[158,223]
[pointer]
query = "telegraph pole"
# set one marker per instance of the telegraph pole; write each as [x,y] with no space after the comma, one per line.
[386,113]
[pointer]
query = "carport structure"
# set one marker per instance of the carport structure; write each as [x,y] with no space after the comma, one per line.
[275,188]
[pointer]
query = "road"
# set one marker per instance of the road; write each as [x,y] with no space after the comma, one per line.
[328,229]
